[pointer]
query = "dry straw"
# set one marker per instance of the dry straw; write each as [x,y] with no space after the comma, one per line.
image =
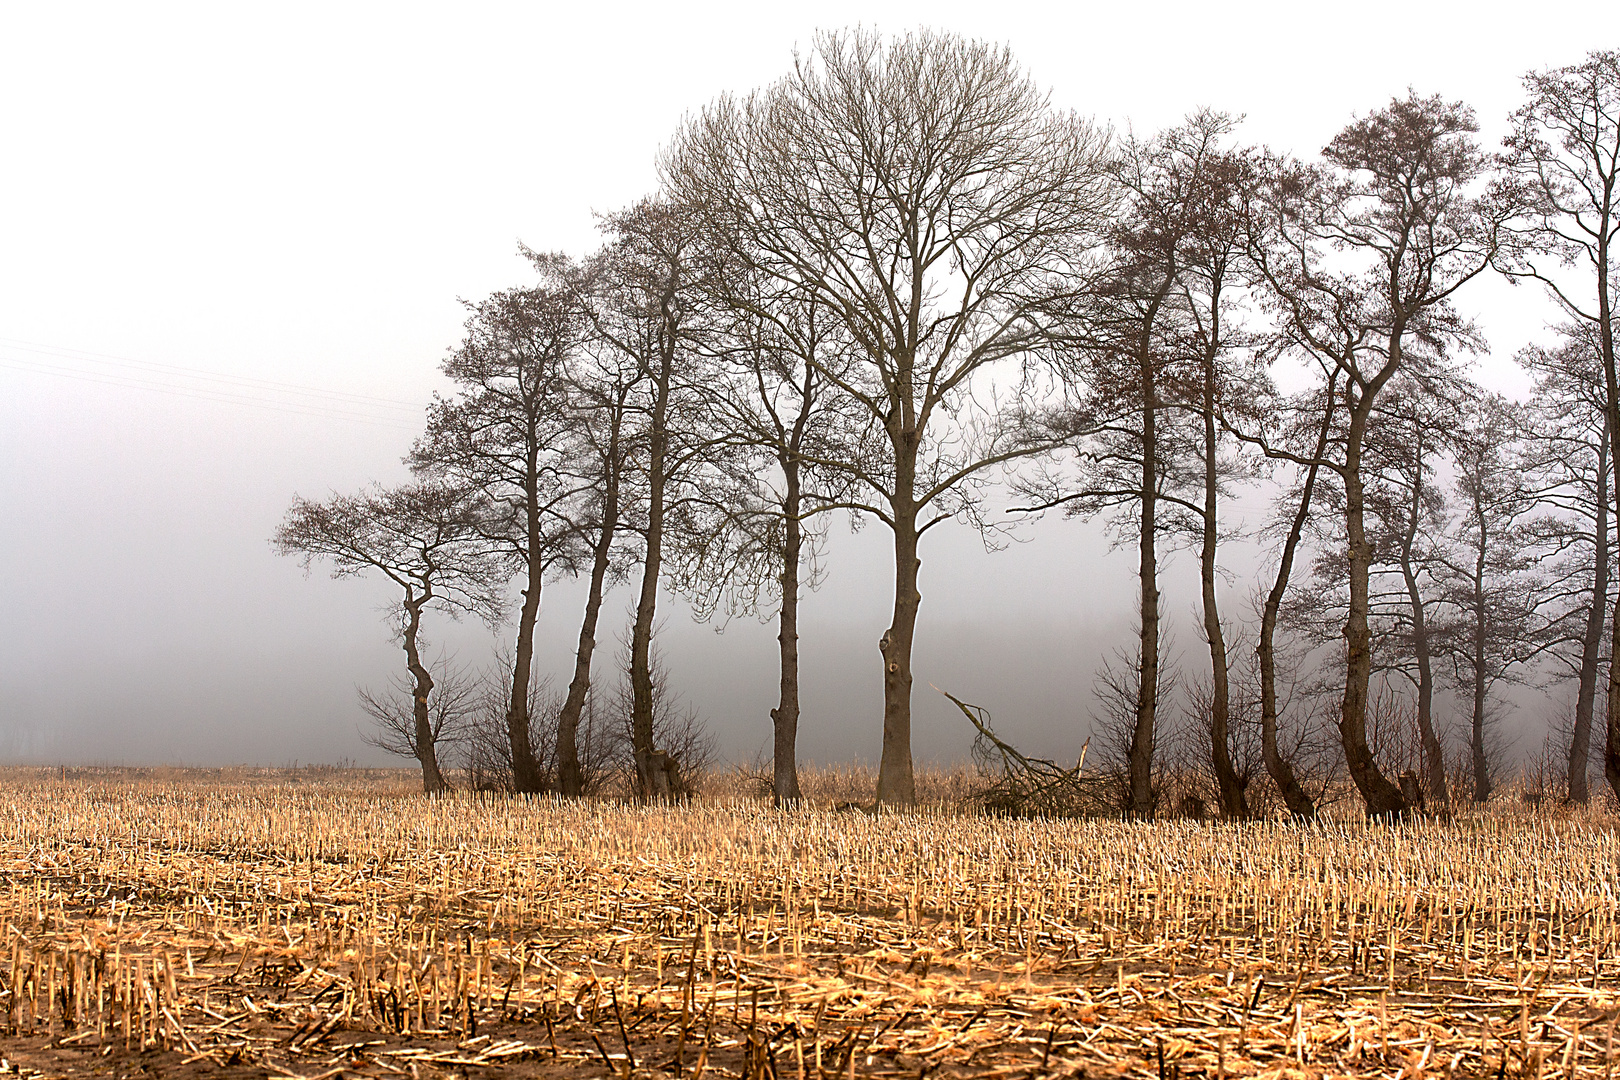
[309,928]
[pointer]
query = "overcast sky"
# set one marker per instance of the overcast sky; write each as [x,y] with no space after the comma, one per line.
[232,243]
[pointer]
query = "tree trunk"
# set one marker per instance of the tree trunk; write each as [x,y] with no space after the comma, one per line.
[525,770]
[897,784]
[1383,798]
[1611,385]
[1434,762]
[785,717]
[1141,794]
[1580,738]
[433,781]
[570,777]
[1234,798]
[641,685]
[1482,767]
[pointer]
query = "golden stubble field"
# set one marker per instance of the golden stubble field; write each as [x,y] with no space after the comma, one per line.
[336,924]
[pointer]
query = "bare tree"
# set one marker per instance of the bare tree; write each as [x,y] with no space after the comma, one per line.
[646,296]
[755,547]
[1571,473]
[1490,578]
[922,190]
[1363,257]
[602,397]
[1564,154]
[424,537]
[507,433]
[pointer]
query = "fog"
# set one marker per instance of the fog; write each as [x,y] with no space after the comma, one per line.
[231,250]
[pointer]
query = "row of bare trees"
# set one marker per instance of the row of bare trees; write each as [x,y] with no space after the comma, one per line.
[899,283]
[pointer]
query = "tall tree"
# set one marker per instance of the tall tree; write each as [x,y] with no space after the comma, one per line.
[754,548]
[1363,258]
[1157,360]
[924,193]
[1225,377]
[1572,476]
[1564,153]
[602,397]
[426,539]
[646,302]
[507,433]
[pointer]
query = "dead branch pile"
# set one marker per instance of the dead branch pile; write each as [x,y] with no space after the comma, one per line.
[1013,785]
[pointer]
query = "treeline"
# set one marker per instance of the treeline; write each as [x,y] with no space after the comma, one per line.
[898,283]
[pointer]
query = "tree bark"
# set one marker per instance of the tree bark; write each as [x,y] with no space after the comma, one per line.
[1234,798]
[785,717]
[896,779]
[641,685]
[433,781]
[1580,738]
[1434,764]
[570,777]
[1383,798]
[525,770]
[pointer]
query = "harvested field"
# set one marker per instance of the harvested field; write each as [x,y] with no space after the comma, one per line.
[339,925]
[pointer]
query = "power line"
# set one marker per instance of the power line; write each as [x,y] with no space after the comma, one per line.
[175,380]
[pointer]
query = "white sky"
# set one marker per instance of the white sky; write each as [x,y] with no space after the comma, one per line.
[298,194]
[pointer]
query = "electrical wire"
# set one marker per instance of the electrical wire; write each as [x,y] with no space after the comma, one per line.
[175,380]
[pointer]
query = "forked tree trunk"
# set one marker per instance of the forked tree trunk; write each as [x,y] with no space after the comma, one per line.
[1383,798]
[785,717]
[1580,738]
[1278,767]
[433,780]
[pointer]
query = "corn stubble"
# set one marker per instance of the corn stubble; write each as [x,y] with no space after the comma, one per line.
[278,926]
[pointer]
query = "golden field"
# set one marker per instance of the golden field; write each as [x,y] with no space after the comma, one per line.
[322,923]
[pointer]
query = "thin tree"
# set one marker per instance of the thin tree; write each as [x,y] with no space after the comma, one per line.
[601,396]
[1299,414]
[755,548]
[924,193]
[645,291]
[1564,154]
[1571,473]
[507,433]
[1491,581]
[425,538]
